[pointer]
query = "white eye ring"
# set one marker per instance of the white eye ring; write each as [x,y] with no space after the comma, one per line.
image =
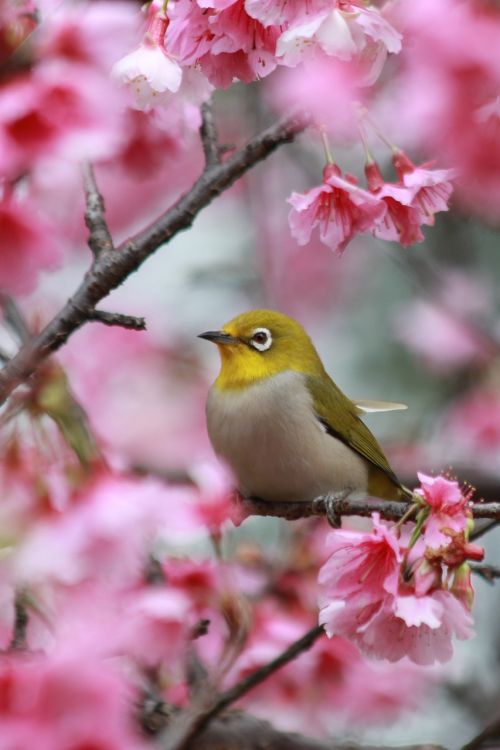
[263,341]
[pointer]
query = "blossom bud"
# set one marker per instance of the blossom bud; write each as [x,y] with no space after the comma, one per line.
[462,586]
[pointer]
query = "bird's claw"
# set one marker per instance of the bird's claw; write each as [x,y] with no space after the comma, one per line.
[331,505]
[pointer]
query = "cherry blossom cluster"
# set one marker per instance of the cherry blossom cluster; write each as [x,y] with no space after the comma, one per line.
[110,603]
[393,211]
[404,591]
[247,39]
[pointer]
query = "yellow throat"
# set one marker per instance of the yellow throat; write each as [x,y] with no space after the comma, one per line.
[259,344]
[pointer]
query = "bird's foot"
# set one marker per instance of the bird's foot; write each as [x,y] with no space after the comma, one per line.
[331,505]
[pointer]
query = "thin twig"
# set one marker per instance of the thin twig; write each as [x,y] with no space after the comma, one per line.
[238,730]
[118,319]
[479,531]
[489,733]
[208,135]
[100,239]
[110,269]
[192,721]
[14,318]
[489,572]
[21,619]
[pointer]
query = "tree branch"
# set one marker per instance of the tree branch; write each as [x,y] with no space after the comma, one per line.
[489,733]
[388,509]
[189,723]
[14,318]
[237,729]
[488,572]
[109,269]
[21,619]
[118,319]
[100,239]
[208,135]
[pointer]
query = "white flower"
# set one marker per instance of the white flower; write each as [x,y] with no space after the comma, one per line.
[151,72]
[344,34]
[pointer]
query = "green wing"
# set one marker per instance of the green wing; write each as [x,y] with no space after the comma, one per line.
[339,415]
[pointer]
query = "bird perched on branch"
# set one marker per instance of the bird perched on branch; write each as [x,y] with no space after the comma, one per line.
[280,422]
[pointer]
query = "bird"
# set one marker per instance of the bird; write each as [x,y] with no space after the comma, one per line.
[286,430]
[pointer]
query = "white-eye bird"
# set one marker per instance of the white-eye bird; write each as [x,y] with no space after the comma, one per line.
[280,422]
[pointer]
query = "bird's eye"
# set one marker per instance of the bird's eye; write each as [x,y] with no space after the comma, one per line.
[261,339]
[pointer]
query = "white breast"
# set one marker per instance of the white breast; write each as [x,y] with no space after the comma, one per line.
[277,448]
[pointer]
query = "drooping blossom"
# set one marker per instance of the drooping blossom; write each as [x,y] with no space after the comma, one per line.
[420,628]
[339,207]
[402,220]
[347,31]
[432,187]
[152,73]
[393,597]
[445,91]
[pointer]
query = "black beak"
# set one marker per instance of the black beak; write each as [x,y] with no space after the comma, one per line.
[219,337]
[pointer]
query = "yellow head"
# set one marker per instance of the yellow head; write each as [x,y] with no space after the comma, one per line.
[259,344]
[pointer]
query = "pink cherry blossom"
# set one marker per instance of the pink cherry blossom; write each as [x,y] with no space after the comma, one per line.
[110,523]
[417,627]
[364,566]
[449,508]
[29,245]
[432,186]
[402,220]
[281,12]
[447,80]
[97,34]
[222,39]
[59,109]
[152,73]
[339,207]
[56,703]
[393,600]
[348,30]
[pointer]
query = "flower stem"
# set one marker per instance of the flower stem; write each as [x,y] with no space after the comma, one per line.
[380,134]
[413,507]
[326,146]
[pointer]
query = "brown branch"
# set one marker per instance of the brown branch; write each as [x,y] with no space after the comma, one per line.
[118,319]
[479,531]
[110,269]
[100,239]
[489,572]
[489,733]
[208,135]
[238,729]
[388,509]
[192,721]
[21,619]
[14,318]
